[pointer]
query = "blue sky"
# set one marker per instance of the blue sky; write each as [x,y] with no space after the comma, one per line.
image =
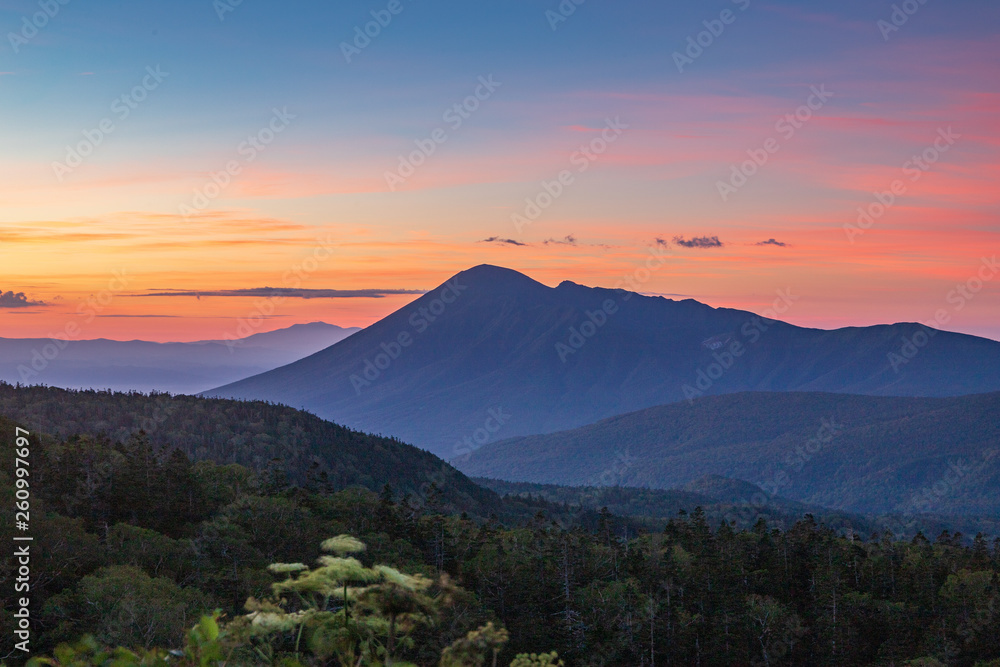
[326,174]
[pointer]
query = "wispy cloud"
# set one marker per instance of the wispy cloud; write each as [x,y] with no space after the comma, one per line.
[780,244]
[158,317]
[569,239]
[17,300]
[151,230]
[286,292]
[502,241]
[698,242]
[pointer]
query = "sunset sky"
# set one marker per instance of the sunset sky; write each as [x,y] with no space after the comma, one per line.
[156,97]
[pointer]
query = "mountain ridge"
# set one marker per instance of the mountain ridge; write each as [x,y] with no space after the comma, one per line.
[175,367]
[553,358]
[871,455]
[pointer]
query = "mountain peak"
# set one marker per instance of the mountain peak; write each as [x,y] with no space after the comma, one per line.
[493,339]
[497,278]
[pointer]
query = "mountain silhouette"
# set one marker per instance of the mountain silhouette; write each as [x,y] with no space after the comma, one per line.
[179,368]
[491,354]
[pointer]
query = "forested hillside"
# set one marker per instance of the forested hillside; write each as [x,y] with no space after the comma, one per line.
[859,454]
[259,435]
[134,543]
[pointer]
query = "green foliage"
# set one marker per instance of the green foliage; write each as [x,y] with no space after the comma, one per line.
[156,554]
[598,589]
[537,660]
[204,643]
[476,648]
[343,544]
[124,606]
[203,648]
[342,608]
[88,653]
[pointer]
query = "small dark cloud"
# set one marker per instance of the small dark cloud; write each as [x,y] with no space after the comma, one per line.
[288,293]
[501,241]
[698,242]
[772,242]
[662,242]
[667,294]
[17,300]
[569,239]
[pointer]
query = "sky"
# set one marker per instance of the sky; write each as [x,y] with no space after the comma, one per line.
[163,162]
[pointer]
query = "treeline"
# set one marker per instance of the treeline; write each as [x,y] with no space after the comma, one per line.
[255,434]
[729,500]
[134,543]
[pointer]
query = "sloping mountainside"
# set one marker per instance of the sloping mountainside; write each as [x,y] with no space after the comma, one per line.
[261,436]
[493,354]
[855,453]
[137,365]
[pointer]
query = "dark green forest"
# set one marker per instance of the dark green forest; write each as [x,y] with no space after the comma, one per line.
[181,540]
[255,434]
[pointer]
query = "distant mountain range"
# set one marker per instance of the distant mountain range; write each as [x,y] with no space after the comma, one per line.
[317,454]
[182,368]
[865,454]
[493,354]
